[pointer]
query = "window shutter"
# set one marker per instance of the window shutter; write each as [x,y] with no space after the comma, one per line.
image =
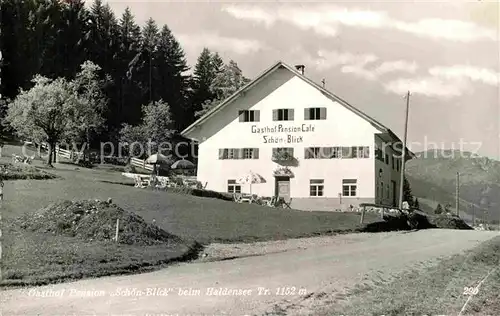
[322,113]
[275,115]
[256,153]
[327,152]
[307,115]
[221,153]
[239,153]
[242,116]
[291,114]
[307,153]
[256,116]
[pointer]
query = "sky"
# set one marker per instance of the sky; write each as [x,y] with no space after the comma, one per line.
[370,53]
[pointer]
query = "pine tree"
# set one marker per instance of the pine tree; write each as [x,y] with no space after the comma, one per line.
[227,81]
[203,75]
[130,45]
[170,62]
[71,42]
[145,60]
[407,194]
[416,204]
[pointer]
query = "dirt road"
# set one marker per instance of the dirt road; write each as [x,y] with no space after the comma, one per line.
[300,277]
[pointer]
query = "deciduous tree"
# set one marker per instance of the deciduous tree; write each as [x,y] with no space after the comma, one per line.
[43,113]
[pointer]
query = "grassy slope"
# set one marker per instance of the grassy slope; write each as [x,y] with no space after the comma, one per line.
[36,258]
[192,218]
[435,291]
[432,179]
[32,258]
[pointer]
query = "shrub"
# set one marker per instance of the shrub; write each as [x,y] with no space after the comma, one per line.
[129,169]
[201,193]
[439,209]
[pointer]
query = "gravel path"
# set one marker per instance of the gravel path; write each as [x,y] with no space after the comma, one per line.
[297,280]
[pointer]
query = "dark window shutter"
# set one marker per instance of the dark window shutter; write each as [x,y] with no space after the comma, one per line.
[275,115]
[291,115]
[307,115]
[256,116]
[322,113]
[256,153]
[242,116]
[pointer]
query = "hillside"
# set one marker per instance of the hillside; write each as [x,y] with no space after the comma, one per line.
[432,177]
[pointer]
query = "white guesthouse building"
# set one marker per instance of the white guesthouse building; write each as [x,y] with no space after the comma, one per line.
[306,143]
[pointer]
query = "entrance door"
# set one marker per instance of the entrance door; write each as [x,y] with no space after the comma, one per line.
[394,193]
[283,187]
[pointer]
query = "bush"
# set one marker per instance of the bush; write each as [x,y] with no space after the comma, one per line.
[201,193]
[129,169]
[9,171]
[439,209]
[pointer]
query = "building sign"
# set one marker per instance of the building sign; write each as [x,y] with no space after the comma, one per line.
[291,133]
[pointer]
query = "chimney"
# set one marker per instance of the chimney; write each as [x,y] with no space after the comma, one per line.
[300,68]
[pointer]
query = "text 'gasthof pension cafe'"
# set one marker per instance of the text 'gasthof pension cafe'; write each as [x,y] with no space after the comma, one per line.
[304,143]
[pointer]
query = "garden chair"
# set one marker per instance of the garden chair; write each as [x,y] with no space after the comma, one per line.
[139,183]
[247,198]
[162,183]
[286,204]
[237,197]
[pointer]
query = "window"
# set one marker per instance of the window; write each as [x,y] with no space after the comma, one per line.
[239,153]
[388,192]
[364,152]
[312,153]
[349,187]
[382,190]
[283,115]
[348,152]
[392,159]
[232,153]
[397,164]
[251,153]
[249,116]
[336,152]
[233,187]
[316,187]
[315,114]
[322,152]
[386,159]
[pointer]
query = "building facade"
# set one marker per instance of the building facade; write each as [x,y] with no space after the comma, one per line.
[304,142]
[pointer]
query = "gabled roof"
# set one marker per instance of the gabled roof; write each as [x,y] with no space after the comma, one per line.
[268,72]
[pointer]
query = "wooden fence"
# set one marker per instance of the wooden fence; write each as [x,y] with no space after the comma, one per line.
[60,152]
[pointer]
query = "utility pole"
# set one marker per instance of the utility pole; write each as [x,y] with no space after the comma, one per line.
[473,215]
[403,154]
[457,194]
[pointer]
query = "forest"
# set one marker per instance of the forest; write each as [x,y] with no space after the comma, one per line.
[132,78]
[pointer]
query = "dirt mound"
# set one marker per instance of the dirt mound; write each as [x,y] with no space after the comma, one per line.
[94,221]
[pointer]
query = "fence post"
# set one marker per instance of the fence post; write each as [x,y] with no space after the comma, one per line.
[117,228]
[363,214]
